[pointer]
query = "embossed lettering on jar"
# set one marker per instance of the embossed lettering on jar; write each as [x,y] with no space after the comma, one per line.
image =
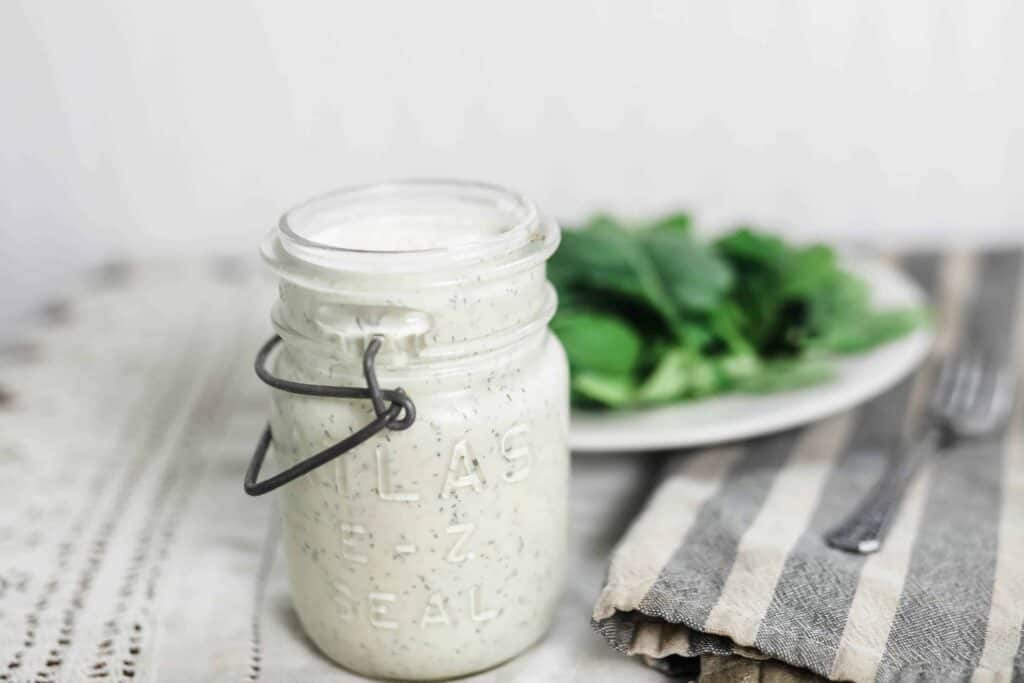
[438,550]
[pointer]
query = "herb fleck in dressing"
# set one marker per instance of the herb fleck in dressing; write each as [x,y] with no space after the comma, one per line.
[439,550]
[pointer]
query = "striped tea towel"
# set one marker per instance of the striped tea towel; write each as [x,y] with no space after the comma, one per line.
[728,561]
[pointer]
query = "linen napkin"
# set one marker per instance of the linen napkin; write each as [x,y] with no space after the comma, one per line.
[727,562]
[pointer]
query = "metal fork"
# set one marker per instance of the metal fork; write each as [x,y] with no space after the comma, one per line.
[971,398]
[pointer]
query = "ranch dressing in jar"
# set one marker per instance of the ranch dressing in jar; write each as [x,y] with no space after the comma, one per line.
[440,549]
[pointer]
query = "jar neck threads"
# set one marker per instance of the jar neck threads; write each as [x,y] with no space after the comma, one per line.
[456,271]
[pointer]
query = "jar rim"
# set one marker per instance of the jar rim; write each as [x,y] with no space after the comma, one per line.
[481,222]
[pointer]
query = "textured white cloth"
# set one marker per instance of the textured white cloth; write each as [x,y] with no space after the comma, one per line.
[128,550]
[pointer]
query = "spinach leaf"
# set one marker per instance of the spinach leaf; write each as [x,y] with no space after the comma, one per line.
[604,258]
[675,222]
[668,381]
[786,375]
[692,276]
[612,391]
[597,341]
[850,335]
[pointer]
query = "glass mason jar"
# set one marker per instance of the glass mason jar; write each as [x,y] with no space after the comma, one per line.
[440,549]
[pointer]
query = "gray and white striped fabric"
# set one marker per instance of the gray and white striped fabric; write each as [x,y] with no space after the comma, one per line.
[727,558]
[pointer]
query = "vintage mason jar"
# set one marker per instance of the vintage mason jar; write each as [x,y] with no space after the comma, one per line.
[440,549]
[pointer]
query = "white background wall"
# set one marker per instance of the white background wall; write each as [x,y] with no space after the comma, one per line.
[141,125]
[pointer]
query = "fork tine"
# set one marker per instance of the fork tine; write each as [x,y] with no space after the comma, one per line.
[993,406]
[1002,401]
[981,399]
[943,392]
[949,392]
[970,385]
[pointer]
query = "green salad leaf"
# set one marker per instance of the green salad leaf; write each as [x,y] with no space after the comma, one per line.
[598,341]
[650,314]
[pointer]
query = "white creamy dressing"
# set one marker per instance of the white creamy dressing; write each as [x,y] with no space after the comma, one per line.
[439,550]
[396,232]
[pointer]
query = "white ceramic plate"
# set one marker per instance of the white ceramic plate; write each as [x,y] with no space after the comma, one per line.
[736,416]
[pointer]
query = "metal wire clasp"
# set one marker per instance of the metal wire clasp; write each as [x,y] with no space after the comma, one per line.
[394,410]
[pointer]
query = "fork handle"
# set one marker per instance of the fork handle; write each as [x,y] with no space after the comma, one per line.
[865,529]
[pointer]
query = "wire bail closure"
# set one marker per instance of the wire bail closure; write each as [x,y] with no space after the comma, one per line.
[393,407]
